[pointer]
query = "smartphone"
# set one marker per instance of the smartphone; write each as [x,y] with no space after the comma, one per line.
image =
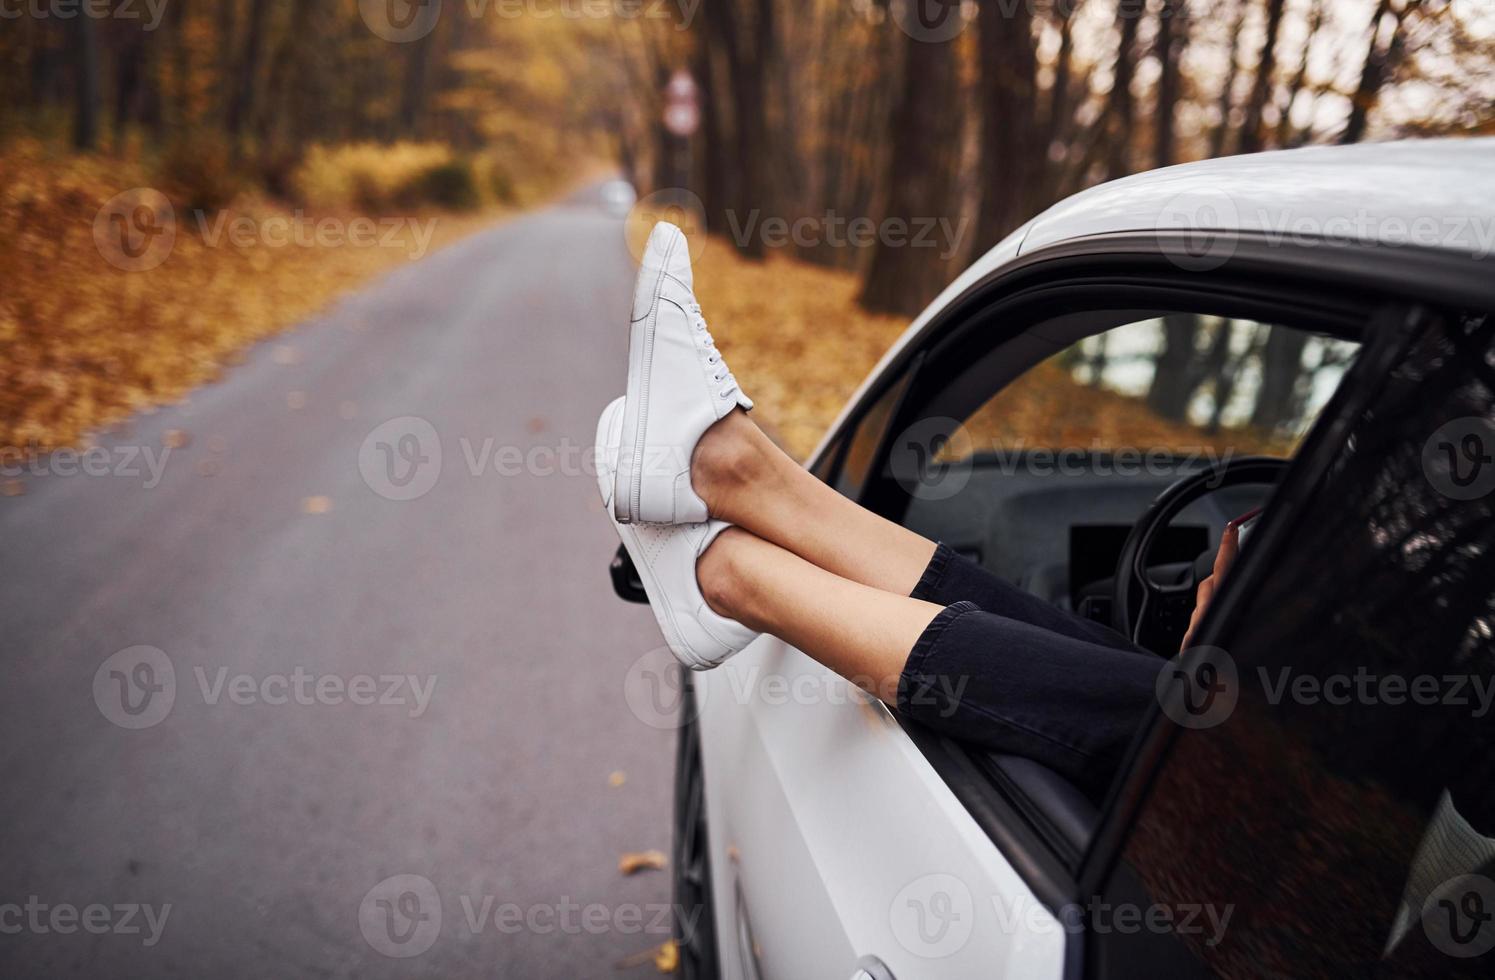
[1244,525]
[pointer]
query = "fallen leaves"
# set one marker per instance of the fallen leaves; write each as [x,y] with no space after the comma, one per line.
[794,336]
[633,862]
[175,439]
[84,344]
[617,778]
[316,505]
[665,957]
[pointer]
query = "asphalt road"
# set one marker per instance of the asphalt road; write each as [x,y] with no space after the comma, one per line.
[279,752]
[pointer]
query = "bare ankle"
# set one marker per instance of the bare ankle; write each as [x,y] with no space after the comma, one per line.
[726,458]
[720,577]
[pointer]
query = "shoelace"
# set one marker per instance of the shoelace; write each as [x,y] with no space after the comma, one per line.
[720,374]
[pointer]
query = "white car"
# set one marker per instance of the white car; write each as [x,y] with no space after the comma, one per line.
[1315,322]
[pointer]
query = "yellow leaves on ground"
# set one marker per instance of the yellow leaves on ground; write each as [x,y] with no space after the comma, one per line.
[1046,408]
[667,957]
[316,505]
[793,335]
[84,343]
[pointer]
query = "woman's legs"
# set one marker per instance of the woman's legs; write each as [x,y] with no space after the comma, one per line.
[748,481]
[861,633]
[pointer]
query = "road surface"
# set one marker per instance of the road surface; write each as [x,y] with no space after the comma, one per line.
[339,726]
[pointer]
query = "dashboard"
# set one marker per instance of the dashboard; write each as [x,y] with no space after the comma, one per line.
[1057,531]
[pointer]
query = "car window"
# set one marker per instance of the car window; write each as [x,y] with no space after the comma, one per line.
[867,437]
[1043,482]
[1328,802]
[1175,383]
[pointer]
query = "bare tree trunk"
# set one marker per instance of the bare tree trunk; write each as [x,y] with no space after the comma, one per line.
[1123,105]
[1285,136]
[1281,367]
[130,67]
[1221,135]
[1172,36]
[1261,89]
[1060,107]
[919,183]
[242,105]
[1379,64]
[1011,161]
[413,91]
[86,119]
[1175,371]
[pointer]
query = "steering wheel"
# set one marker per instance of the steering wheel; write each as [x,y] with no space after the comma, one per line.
[1165,608]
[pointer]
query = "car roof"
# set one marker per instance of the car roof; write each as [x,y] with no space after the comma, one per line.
[1428,193]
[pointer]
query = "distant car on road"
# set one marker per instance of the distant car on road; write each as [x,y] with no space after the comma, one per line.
[1308,331]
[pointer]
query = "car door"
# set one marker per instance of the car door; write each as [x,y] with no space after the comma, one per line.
[835,840]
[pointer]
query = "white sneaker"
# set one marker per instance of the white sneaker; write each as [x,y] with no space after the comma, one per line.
[665,557]
[678,388]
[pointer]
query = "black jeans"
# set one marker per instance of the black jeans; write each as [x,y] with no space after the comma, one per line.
[1015,674]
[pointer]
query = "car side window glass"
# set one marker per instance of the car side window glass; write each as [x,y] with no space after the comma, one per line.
[1177,383]
[1327,805]
[867,437]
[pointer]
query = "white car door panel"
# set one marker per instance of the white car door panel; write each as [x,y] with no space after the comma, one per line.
[844,842]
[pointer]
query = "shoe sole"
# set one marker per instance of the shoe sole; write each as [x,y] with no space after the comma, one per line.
[629,535]
[640,363]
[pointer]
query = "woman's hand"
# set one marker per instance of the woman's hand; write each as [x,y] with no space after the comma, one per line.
[1230,545]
